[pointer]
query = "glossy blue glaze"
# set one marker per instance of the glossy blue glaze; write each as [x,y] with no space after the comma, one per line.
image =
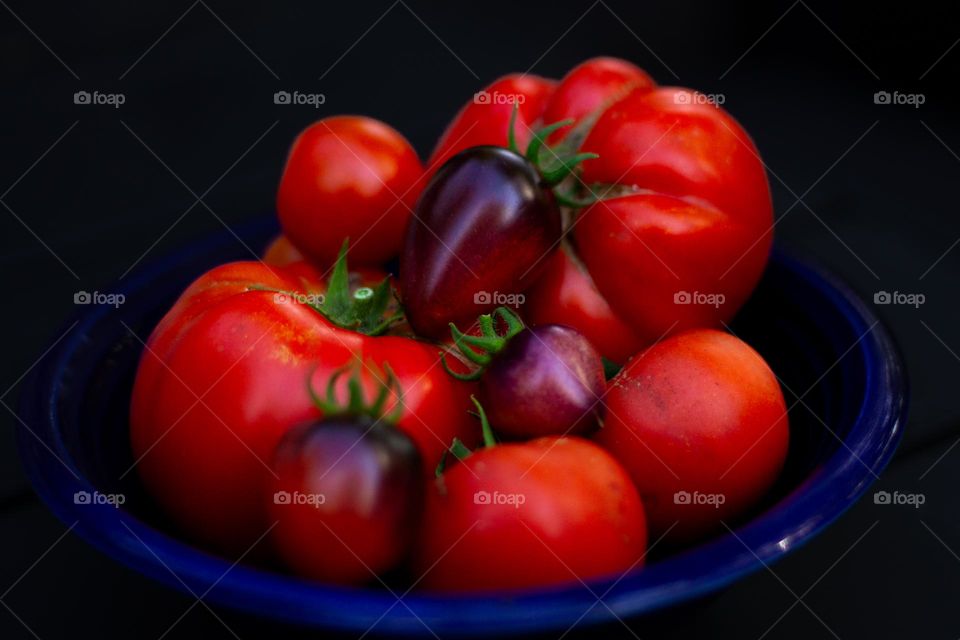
[825,344]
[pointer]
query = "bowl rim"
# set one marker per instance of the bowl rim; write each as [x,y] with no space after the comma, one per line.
[691,574]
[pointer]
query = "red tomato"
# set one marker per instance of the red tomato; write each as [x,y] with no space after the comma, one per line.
[688,248]
[546,512]
[565,294]
[224,376]
[349,176]
[700,423]
[590,86]
[485,120]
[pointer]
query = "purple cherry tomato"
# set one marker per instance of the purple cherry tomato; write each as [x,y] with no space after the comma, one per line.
[484,226]
[548,380]
[346,500]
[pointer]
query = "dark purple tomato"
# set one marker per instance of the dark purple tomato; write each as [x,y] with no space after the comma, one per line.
[548,380]
[482,229]
[346,500]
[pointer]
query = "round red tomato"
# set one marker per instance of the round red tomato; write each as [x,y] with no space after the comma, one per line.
[700,423]
[224,375]
[349,176]
[546,512]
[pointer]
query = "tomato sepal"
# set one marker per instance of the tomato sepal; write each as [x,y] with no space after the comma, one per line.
[481,349]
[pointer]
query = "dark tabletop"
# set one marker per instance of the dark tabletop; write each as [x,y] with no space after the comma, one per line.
[867,189]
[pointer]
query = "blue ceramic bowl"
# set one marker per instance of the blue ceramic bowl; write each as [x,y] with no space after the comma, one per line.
[824,343]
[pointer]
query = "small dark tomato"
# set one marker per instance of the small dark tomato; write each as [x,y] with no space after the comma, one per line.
[346,499]
[482,230]
[548,380]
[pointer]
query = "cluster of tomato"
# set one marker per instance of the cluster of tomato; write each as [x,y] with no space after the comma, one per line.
[540,390]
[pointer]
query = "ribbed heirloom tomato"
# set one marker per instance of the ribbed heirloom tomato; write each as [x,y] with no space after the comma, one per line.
[682,231]
[224,375]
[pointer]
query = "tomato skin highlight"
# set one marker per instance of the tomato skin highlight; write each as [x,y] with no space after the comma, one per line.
[699,223]
[349,177]
[591,86]
[346,500]
[224,376]
[580,518]
[700,413]
[483,226]
[566,294]
[487,123]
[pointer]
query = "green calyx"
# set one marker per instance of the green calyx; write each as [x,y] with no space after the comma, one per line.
[553,163]
[357,403]
[363,310]
[461,451]
[480,349]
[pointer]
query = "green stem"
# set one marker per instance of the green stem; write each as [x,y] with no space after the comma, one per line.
[540,137]
[489,440]
[480,349]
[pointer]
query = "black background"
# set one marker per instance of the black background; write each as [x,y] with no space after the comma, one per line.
[91,190]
